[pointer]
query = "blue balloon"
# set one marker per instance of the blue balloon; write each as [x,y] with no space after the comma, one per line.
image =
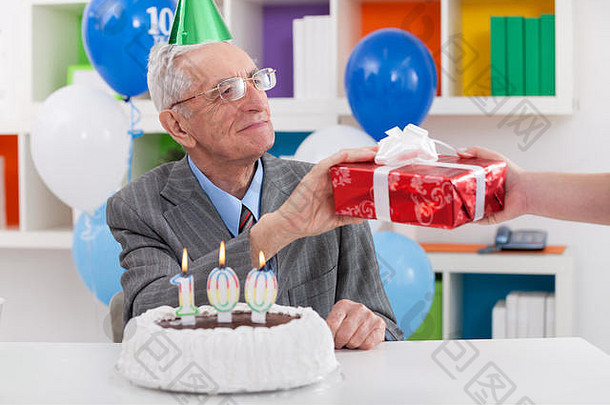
[96,255]
[118,35]
[390,80]
[407,277]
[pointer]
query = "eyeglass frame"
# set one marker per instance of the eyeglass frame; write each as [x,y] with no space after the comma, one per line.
[217,87]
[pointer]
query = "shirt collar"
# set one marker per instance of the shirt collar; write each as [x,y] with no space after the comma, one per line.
[228,206]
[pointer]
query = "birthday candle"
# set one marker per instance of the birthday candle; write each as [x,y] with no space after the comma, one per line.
[186,288]
[260,290]
[223,288]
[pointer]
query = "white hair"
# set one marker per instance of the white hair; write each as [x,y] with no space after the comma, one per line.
[168,80]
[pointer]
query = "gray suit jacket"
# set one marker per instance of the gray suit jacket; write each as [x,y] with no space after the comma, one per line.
[165,210]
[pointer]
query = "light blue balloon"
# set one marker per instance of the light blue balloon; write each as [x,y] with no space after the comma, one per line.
[407,277]
[96,255]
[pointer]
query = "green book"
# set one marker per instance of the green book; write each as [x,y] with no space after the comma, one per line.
[547,55]
[531,29]
[498,56]
[515,66]
[432,327]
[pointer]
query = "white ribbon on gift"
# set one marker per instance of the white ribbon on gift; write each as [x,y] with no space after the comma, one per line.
[413,146]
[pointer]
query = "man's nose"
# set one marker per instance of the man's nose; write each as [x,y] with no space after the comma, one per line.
[254,99]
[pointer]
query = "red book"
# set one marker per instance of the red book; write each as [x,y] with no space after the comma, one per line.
[423,194]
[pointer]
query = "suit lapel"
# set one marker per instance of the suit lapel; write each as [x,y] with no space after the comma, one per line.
[192,217]
[195,220]
[278,184]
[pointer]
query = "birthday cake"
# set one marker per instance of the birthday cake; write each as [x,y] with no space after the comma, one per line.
[294,347]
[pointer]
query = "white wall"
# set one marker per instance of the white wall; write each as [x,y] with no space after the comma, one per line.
[578,143]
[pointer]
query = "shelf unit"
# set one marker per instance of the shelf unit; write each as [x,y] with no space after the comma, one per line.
[47,43]
[60,238]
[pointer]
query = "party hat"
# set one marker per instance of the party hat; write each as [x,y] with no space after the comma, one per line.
[197,21]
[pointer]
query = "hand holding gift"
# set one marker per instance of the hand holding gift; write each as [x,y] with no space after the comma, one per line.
[515,200]
[550,194]
[309,210]
[411,183]
[310,207]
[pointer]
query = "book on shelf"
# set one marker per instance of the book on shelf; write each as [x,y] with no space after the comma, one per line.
[432,326]
[515,66]
[498,320]
[523,314]
[2,195]
[521,318]
[298,57]
[547,55]
[312,55]
[549,320]
[534,315]
[498,56]
[522,55]
[511,315]
[531,29]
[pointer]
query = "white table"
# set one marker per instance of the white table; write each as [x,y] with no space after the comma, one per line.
[561,371]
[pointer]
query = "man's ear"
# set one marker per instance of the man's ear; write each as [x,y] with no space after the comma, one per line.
[173,124]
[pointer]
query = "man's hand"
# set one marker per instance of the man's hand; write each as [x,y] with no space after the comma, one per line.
[515,201]
[355,326]
[310,209]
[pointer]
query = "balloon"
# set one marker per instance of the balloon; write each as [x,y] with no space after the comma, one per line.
[390,80]
[96,255]
[118,35]
[80,145]
[407,277]
[324,142]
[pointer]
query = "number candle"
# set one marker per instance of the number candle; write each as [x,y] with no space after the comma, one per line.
[260,290]
[223,288]
[186,287]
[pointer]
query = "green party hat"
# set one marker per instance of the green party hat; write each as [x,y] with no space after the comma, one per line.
[197,21]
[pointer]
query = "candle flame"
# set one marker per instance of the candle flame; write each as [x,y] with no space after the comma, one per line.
[221,254]
[261,259]
[185,261]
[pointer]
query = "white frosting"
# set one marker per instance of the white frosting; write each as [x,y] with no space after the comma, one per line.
[224,360]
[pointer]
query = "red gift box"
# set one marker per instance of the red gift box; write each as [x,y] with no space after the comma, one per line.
[422,194]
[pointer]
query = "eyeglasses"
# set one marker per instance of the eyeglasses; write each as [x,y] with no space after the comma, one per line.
[235,88]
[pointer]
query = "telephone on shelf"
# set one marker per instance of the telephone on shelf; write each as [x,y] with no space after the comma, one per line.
[517,240]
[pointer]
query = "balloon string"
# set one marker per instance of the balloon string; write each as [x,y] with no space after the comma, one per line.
[135,117]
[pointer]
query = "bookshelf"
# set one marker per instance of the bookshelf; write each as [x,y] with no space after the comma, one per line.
[455,267]
[47,43]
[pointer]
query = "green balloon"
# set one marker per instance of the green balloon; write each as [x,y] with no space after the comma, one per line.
[197,21]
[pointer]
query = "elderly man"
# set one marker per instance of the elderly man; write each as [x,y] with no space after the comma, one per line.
[212,101]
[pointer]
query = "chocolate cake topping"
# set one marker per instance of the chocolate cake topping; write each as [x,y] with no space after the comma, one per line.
[239,318]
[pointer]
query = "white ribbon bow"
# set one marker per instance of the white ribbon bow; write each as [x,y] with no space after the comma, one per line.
[409,146]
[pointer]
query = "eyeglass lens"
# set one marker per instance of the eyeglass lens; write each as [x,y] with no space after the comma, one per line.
[235,88]
[264,79]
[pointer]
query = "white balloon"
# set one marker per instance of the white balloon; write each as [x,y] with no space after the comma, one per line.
[80,145]
[326,141]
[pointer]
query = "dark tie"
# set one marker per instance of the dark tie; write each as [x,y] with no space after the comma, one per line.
[246,219]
